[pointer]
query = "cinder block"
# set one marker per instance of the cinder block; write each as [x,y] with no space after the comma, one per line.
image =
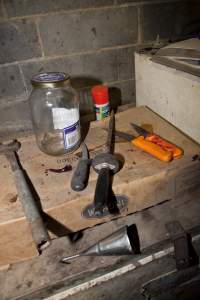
[170,20]
[1,10]
[187,18]
[119,93]
[129,1]
[157,19]
[85,70]
[86,30]
[14,118]
[28,7]
[18,41]
[11,84]
[122,93]
[139,1]
[126,65]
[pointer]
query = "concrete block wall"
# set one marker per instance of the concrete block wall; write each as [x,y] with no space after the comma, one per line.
[92,40]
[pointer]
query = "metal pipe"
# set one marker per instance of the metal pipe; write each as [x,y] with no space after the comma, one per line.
[31,211]
[39,232]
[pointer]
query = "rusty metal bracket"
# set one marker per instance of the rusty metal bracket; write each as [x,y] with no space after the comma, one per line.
[186,265]
[180,239]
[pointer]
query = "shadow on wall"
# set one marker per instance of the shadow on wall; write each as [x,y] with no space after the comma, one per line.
[83,85]
[189,18]
[115,97]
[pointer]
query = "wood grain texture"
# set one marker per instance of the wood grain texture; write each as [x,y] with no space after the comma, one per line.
[46,270]
[145,180]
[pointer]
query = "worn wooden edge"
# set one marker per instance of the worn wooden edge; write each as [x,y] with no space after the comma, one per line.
[46,270]
[68,218]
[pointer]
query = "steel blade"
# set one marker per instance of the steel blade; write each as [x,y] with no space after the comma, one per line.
[126,136]
[84,149]
[140,130]
[110,139]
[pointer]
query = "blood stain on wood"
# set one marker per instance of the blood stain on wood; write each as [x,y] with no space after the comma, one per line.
[66,168]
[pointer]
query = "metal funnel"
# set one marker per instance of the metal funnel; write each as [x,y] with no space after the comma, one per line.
[124,241]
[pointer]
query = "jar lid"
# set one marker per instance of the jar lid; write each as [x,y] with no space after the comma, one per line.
[50,79]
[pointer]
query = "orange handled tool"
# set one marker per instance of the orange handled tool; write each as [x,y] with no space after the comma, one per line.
[157,140]
[147,146]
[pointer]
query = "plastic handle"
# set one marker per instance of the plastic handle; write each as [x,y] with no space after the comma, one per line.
[80,176]
[152,149]
[165,145]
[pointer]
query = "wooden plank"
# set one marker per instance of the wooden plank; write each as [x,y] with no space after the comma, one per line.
[46,270]
[143,179]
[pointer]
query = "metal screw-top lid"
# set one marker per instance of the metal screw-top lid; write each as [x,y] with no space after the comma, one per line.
[50,80]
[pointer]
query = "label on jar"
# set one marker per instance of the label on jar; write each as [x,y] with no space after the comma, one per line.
[68,121]
[71,135]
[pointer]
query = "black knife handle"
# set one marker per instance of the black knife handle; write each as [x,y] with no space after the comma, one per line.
[80,176]
[102,191]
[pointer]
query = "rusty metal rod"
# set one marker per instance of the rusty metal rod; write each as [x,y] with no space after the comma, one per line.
[39,232]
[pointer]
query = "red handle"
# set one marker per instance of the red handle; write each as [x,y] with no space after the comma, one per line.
[165,145]
[152,148]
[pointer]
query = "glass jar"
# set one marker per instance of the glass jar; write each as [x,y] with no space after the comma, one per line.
[55,113]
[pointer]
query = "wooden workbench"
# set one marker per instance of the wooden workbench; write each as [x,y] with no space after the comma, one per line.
[144,180]
[45,276]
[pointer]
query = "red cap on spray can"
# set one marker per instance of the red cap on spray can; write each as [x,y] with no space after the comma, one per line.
[100,94]
[101,101]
